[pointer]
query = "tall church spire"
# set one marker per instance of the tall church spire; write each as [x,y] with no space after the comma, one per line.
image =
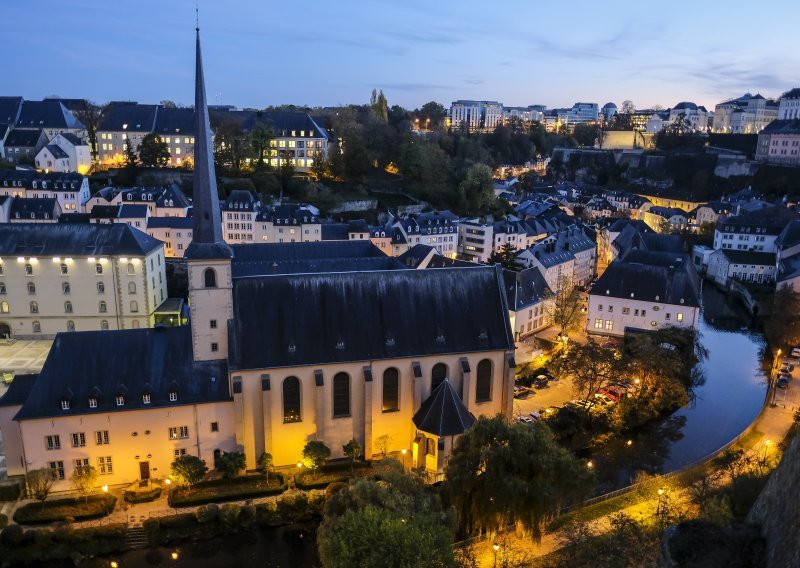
[207,225]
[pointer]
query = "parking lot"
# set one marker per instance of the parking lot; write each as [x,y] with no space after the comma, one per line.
[24,356]
[790,396]
[556,393]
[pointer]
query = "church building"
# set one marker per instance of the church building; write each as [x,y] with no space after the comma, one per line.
[287,343]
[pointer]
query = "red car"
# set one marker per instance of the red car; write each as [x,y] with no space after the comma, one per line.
[611,393]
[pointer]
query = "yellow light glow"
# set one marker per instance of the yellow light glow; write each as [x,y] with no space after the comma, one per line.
[496,547]
[114,564]
[174,555]
[68,260]
[767,442]
[590,464]
[56,259]
[105,488]
[33,260]
[168,481]
[20,259]
[91,259]
[136,261]
[123,259]
[299,465]
[660,491]
[629,443]
[404,451]
[103,260]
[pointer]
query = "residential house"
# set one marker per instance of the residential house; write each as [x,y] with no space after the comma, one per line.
[529,301]
[50,116]
[779,143]
[65,153]
[22,146]
[174,232]
[70,189]
[749,233]
[666,219]
[725,265]
[123,123]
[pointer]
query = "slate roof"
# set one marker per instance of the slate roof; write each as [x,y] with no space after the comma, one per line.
[57,152]
[145,361]
[365,316]
[55,239]
[334,232]
[9,109]
[748,224]
[749,257]
[790,235]
[282,122]
[49,113]
[19,138]
[646,275]
[174,121]
[132,211]
[262,259]
[240,200]
[72,139]
[135,118]
[685,106]
[791,126]
[33,208]
[525,288]
[618,225]
[443,413]
[667,212]
[18,390]
[792,94]
[56,181]
[169,223]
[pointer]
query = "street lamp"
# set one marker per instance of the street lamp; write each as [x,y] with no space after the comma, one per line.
[629,443]
[114,564]
[168,481]
[105,497]
[590,464]
[174,555]
[404,452]
[495,547]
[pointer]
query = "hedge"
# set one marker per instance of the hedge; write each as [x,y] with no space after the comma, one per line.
[96,507]
[221,490]
[44,545]
[9,492]
[142,496]
[331,473]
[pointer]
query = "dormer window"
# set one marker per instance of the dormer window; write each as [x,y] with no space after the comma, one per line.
[120,400]
[173,396]
[92,402]
[64,404]
[145,398]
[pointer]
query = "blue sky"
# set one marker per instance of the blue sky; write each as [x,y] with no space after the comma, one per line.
[318,52]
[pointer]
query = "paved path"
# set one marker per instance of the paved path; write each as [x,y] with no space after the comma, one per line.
[24,356]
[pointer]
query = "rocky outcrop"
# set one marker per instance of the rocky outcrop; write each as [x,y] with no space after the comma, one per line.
[777,510]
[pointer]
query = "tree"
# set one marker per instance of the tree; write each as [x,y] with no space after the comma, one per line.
[379,106]
[586,134]
[501,473]
[783,325]
[231,463]
[260,137]
[231,145]
[565,306]
[130,156]
[592,367]
[187,470]
[39,483]
[394,522]
[507,256]
[265,463]
[90,114]
[84,480]
[352,450]
[431,114]
[154,152]
[384,442]
[315,454]
[168,104]
[475,191]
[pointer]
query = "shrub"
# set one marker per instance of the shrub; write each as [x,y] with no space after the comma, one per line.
[333,488]
[293,508]
[267,514]
[179,521]
[206,513]
[218,490]
[12,535]
[316,502]
[247,515]
[229,515]
[142,496]
[95,507]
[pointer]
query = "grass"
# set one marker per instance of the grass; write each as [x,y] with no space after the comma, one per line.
[220,490]
[95,507]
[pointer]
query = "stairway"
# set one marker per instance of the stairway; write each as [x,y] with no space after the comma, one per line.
[136,537]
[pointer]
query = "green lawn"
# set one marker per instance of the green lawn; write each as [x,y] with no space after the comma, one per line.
[60,509]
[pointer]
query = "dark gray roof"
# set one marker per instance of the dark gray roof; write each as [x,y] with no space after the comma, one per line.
[334,232]
[132,210]
[262,259]
[363,316]
[49,113]
[281,122]
[75,218]
[240,200]
[19,138]
[750,257]
[667,212]
[647,275]
[791,126]
[618,225]
[129,117]
[53,181]
[525,288]
[9,109]
[72,139]
[56,239]
[57,152]
[747,224]
[174,121]
[150,361]
[790,235]
[169,223]
[18,390]
[415,255]
[443,413]
[33,208]
[792,94]
[685,106]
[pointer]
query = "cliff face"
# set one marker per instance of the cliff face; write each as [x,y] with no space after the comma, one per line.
[777,510]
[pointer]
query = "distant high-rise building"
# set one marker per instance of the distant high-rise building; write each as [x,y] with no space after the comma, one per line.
[476,115]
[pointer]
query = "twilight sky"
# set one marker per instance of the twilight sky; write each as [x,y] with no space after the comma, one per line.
[320,52]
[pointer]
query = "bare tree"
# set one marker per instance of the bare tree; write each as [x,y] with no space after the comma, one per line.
[39,483]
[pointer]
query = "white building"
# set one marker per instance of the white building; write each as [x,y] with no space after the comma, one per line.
[779,143]
[789,105]
[569,254]
[744,266]
[65,277]
[751,233]
[529,301]
[174,232]
[65,153]
[71,190]
[695,117]
[476,115]
[643,292]
[747,114]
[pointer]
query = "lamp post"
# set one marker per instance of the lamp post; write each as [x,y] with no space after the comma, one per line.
[168,481]
[105,497]
[495,547]
[404,452]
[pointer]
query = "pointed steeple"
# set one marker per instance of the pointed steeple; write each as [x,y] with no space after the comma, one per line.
[207,240]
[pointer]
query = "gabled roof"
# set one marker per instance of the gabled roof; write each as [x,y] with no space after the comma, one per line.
[53,181]
[749,257]
[72,139]
[56,239]
[150,361]
[18,390]
[49,113]
[19,138]
[366,316]
[644,275]
[782,127]
[9,109]
[240,200]
[283,123]
[525,288]
[443,413]
[129,117]
[262,259]
[169,223]
[790,236]
[132,211]
[174,121]
[56,151]
[33,208]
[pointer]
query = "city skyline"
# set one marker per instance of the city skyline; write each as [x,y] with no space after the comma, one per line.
[415,53]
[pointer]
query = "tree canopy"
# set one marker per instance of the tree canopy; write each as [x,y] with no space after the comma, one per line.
[153,151]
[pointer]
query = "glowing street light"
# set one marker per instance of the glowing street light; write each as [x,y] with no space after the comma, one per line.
[495,547]
[590,464]
[660,491]
[174,555]
[629,443]
[114,564]
[404,452]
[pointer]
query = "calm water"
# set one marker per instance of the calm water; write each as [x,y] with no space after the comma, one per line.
[723,407]
[728,401]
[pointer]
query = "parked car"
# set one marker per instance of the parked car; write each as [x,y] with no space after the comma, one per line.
[526,419]
[535,415]
[786,376]
[520,391]
[541,381]
[603,399]
[782,383]
[796,352]
[611,392]
[786,367]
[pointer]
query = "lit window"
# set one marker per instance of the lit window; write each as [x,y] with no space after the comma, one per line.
[598,324]
[145,399]
[120,400]
[680,316]
[92,402]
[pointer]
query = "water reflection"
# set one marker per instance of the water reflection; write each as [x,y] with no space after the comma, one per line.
[728,400]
